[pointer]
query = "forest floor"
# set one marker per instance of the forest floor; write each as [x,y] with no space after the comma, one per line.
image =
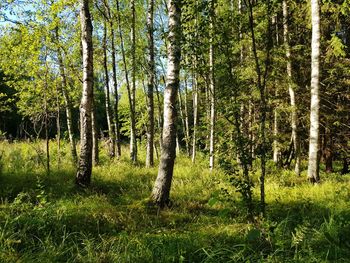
[46,218]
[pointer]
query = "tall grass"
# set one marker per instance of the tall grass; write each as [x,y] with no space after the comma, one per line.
[45,218]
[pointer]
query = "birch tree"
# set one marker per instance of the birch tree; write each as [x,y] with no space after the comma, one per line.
[83,176]
[161,189]
[313,165]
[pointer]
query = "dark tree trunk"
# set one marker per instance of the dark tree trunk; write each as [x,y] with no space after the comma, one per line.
[328,150]
[133,142]
[261,85]
[345,169]
[58,125]
[150,87]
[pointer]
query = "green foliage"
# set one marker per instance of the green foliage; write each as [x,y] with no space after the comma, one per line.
[336,48]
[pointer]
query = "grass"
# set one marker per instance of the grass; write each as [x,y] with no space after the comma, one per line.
[45,218]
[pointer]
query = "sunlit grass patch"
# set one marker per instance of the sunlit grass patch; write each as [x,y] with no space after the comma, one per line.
[46,218]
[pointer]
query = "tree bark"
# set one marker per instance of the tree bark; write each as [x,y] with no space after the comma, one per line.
[161,190]
[150,86]
[294,115]
[195,116]
[182,119]
[211,88]
[58,125]
[111,132]
[195,94]
[83,176]
[327,150]
[133,143]
[276,151]
[276,148]
[160,118]
[187,125]
[115,86]
[95,150]
[46,117]
[313,165]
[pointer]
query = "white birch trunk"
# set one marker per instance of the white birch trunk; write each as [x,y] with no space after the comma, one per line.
[83,176]
[161,190]
[313,165]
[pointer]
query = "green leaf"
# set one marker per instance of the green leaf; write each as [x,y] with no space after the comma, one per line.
[212,201]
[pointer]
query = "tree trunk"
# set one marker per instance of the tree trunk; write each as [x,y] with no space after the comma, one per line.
[161,190]
[150,87]
[328,150]
[69,117]
[276,148]
[187,121]
[345,169]
[67,104]
[115,86]
[313,165]
[160,118]
[47,141]
[182,119]
[115,127]
[294,115]
[46,120]
[195,93]
[58,125]
[195,116]
[212,88]
[111,132]
[83,176]
[261,85]
[133,143]
[276,151]
[133,149]
[95,151]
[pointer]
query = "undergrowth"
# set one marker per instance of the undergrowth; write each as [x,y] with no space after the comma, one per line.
[45,218]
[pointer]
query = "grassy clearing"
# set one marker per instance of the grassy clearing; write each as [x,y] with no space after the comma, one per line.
[45,218]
